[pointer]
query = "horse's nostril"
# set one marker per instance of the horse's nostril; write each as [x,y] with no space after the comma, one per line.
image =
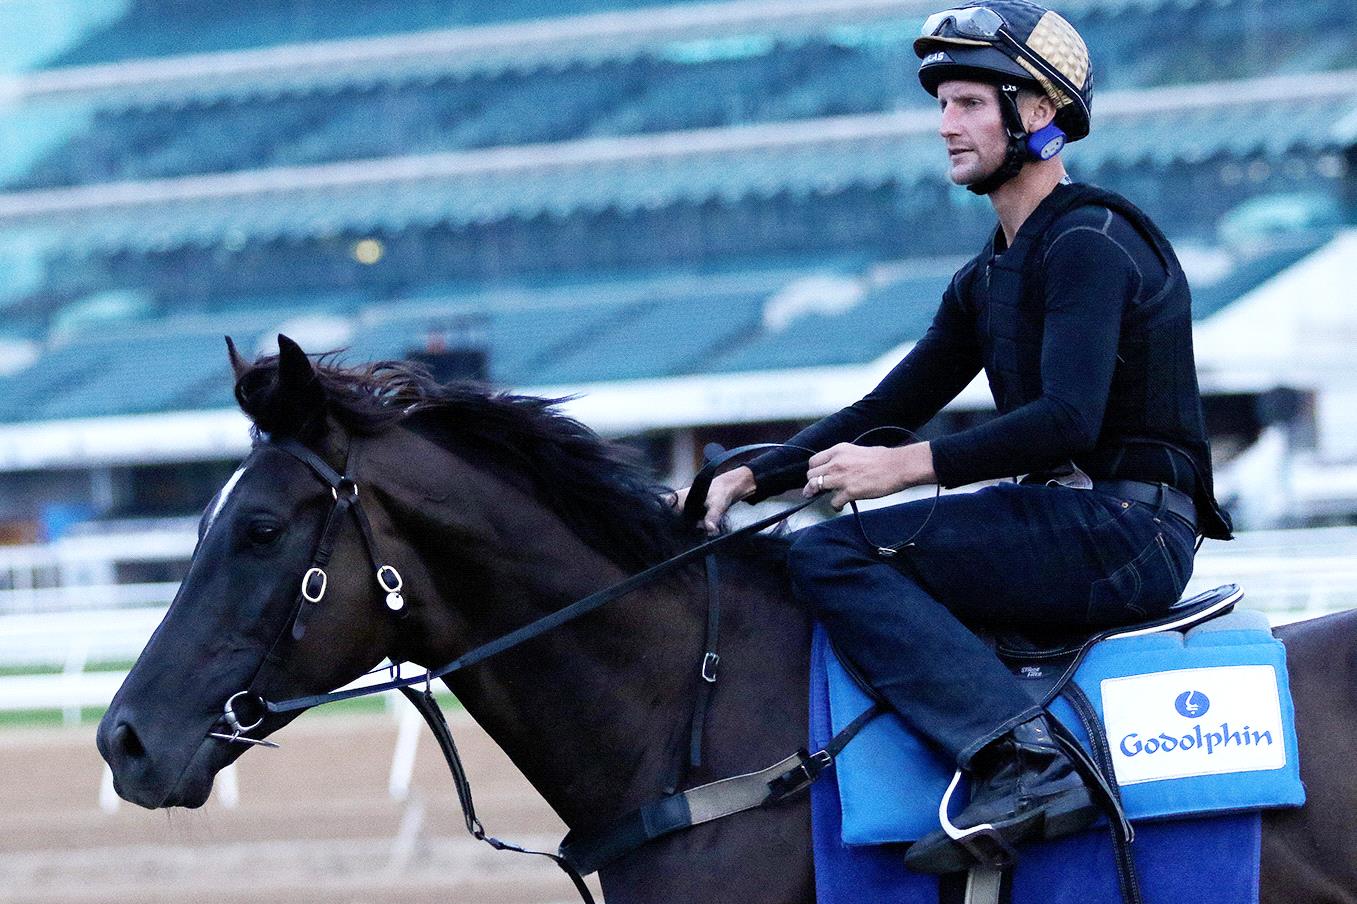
[126,740]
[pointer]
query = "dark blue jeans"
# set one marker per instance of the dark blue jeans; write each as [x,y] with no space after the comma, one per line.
[1006,556]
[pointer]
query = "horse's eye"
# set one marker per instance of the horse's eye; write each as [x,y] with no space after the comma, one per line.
[262,533]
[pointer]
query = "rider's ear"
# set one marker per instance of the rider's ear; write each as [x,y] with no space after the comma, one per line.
[1040,111]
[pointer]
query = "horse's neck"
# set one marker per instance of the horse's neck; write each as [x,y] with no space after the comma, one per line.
[596,712]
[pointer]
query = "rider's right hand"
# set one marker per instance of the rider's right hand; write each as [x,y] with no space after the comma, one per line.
[726,489]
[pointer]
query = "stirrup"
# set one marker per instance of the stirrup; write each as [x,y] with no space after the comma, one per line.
[983,842]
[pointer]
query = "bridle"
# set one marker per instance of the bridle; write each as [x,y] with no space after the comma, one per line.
[316,581]
[579,855]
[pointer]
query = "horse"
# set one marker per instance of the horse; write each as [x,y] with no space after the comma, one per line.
[497,509]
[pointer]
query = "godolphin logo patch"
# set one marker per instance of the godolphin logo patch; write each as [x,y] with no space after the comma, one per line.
[1192,704]
[1203,721]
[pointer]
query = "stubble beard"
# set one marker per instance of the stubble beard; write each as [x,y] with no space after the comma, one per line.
[968,171]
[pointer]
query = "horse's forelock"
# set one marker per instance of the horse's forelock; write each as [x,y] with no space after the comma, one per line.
[601,489]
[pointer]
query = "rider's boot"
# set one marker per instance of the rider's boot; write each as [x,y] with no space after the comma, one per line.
[1024,786]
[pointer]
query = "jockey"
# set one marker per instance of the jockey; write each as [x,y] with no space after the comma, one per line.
[1078,312]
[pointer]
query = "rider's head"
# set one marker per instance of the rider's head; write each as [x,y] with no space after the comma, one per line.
[1030,72]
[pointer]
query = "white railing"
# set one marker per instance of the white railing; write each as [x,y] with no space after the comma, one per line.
[1290,575]
[79,572]
[114,635]
[74,690]
[87,597]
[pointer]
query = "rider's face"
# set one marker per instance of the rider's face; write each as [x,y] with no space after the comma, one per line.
[973,128]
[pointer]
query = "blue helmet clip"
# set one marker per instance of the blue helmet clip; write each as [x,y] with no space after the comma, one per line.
[1046,142]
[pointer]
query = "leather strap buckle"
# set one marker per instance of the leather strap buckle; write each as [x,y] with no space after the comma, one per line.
[802,775]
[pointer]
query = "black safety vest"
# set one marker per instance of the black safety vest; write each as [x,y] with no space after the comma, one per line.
[1153,428]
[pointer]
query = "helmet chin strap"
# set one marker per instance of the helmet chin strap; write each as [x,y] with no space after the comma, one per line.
[1015,155]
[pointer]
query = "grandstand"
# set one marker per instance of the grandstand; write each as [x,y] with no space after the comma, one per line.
[714,219]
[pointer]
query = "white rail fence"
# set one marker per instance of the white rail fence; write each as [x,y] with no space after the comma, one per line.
[1289,575]
[74,639]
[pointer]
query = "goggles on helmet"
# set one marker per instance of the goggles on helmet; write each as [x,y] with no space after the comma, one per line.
[976,22]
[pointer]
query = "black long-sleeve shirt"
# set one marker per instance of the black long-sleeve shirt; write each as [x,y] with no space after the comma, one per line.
[1096,268]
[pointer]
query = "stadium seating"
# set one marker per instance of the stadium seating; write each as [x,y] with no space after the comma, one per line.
[836,72]
[892,313]
[605,259]
[153,28]
[548,334]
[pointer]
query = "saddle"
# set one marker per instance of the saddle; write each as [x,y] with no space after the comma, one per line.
[1047,660]
[891,781]
[1188,717]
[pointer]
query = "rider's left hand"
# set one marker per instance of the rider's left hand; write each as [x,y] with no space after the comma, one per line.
[852,472]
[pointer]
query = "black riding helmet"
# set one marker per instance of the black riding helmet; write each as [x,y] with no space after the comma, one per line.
[1012,44]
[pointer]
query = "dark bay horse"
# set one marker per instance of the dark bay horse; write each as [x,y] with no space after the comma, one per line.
[496,510]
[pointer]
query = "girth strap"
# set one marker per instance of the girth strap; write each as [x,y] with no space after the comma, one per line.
[588,852]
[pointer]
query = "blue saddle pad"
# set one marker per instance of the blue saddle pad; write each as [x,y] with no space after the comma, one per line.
[1198,723]
[1212,858]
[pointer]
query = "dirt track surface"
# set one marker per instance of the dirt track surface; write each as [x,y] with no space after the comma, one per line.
[315,824]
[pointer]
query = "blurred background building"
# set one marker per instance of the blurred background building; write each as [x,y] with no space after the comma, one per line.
[713,221]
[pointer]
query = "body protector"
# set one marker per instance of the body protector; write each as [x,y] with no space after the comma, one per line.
[1012,44]
[1154,428]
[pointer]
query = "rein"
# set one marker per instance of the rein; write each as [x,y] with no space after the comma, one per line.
[560,617]
[579,854]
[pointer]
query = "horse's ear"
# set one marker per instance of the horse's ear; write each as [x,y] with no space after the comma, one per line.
[238,364]
[295,373]
[300,397]
[288,400]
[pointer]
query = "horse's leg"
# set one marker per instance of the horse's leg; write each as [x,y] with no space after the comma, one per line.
[1310,853]
[757,857]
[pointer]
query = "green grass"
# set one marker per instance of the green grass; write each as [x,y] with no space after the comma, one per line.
[36,718]
[40,718]
[90,715]
[111,665]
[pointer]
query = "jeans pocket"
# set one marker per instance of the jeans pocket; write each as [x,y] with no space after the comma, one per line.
[1117,598]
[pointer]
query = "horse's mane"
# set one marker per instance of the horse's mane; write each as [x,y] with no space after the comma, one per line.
[601,489]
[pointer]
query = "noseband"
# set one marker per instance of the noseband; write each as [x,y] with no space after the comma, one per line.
[315,581]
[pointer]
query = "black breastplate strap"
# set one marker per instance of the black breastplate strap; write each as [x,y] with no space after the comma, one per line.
[424,701]
[587,852]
